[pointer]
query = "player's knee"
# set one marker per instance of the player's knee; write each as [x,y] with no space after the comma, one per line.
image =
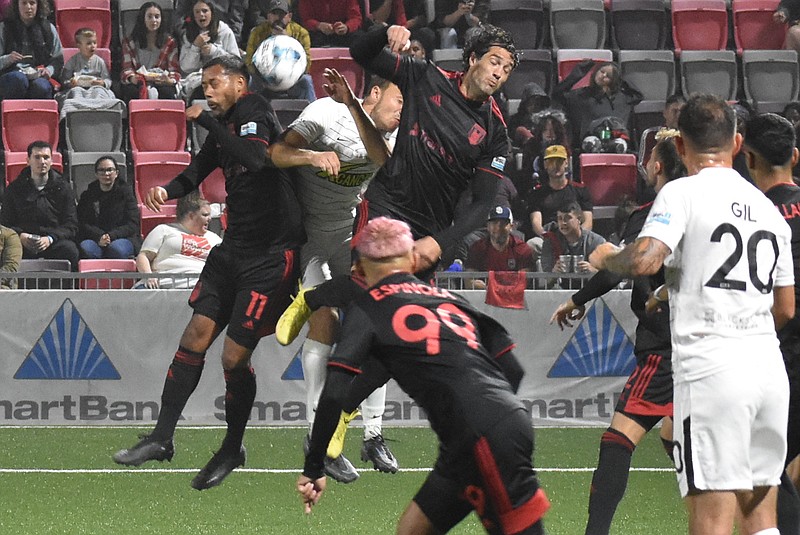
[323,325]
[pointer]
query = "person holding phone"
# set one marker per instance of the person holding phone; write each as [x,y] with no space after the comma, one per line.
[455,18]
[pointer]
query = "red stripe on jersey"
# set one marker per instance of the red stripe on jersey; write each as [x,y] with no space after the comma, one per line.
[497,112]
[451,75]
[397,63]
[491,171]
[649,370]
[345,367]
[362,218]
[264,141]
[504,351]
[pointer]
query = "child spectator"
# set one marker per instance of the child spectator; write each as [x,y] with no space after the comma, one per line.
[85,75]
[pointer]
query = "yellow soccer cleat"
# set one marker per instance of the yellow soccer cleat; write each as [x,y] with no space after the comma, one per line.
[293,318]
[336,445]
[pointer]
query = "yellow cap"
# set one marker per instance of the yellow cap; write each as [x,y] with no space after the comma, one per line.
[555,151]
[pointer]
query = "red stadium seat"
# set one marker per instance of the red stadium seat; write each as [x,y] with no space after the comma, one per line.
[106,266]
[213,187]
[25,121]
[151,220]
[567,59]
[104,53]
[15,162]
[753,27]
[156,169]
[339,59]
[699,25]
[157,126]
[609,177]
[72,15]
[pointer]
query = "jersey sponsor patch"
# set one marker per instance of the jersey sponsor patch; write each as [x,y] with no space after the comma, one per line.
[659,217]
[499,163]
[248,129]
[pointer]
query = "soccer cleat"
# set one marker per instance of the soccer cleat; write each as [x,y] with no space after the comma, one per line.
[293,318]
[336,445]
[340,468]
[147,449]
[375,449]
[218,468]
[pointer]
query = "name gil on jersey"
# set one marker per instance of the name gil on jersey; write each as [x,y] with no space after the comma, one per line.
[385,290]
[659,217]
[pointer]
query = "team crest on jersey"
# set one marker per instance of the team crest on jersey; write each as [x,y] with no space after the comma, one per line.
[499,163]
[659,217]
[248,129]
[476,134]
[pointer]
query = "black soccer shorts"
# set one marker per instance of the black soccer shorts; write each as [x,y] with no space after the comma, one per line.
[647,396]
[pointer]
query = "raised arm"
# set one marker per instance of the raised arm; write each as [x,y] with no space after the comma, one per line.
[645,256]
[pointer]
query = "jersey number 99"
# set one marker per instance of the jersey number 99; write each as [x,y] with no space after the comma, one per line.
[431,325]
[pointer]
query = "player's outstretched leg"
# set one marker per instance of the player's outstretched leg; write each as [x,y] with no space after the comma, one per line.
[609,481]
[374,448]
[293,318]
[182,378]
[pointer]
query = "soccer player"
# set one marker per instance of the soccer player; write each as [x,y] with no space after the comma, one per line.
[647,396]
[770,154]
[729,276]
[451,138]
[247,279]
[337,144]
[458,365]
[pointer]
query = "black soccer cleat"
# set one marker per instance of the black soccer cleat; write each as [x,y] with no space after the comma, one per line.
[218,468]
[340,468]
[147,449]
[375,449]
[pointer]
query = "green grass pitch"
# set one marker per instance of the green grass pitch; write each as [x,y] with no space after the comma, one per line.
[62,481]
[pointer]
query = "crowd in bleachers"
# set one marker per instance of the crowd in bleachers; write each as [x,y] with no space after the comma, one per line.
[96,78]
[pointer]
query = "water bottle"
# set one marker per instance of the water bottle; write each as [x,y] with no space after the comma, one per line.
[605,134]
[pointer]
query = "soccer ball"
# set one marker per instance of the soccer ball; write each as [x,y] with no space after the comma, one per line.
[281,61]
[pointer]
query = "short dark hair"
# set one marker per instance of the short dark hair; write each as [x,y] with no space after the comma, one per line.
[707,122]
[39,145]
[105,157]
[772,137]
[230,65]
[374,80]
[191,202]
[489,36]
[666,152]
[571,207]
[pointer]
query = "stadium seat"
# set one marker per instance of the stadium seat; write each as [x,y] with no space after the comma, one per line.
[753,27]
[288,109]
[609,177]
[198,133]
[129,8]
[97,130]
[646,144]
[534,66]
[638,24]
[156,169]
[648,114]
[104,265]
[15,162]
[151,220]
[448,59]
[339,59]
[650,71]
[567,59]
[213,187]
[104,53]
[72,15]
[770,78]
[25,121]
[157,126]
[578,24]
[709,71]
[699,25]
[523,18]
[81,169]
[44,265]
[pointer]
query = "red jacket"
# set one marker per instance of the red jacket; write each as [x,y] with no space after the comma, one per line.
[315,11]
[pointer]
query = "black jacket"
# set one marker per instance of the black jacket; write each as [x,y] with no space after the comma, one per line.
[113,212]
[49,212]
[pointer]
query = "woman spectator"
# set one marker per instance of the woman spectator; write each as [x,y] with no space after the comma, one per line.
[205,37]
[150,66]
[607,98]
[108,216]
[180,247]
[32,52]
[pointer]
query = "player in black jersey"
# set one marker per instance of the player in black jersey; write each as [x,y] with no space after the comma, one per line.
[451,137]
[647,396]
[770,154]
[247,279]
[458,365]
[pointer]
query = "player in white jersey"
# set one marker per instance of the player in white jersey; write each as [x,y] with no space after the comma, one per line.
[730,280]
[337,145]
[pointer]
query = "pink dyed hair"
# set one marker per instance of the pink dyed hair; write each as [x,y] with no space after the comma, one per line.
[383,238]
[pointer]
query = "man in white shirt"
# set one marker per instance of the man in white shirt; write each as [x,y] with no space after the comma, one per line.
[730,281]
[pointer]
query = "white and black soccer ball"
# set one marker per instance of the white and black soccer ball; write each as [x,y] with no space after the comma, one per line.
[281,61]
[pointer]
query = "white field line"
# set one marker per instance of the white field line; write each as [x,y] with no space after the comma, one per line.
[249,470]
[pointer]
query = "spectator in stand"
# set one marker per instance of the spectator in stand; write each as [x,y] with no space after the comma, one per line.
[40,206]
[32,53]
[789,12]
[608,100]
[231,12]
[331,22]
[85,75]
[521,124]
[386,13]
[672,109]
[108,215]
[279,22]
[5,9]
[179,247]
[569,239]
[549,128]
[10,255]
[456,18]
[499,249]
[150,66]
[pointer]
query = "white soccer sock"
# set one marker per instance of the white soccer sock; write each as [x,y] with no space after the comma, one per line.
[315,367]
[372,412]
[768,531]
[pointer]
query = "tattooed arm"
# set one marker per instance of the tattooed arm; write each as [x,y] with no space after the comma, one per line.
[645,256]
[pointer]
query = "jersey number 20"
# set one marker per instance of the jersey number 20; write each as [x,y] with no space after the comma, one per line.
[430,331]
[720,277]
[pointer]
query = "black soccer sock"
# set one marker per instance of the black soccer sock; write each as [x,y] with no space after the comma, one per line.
[240,392]
[182,378]
[336,292]
[788,506]
[609,481]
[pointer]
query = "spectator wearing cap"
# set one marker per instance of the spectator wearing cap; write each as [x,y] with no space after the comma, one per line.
[499,250]
[331,22]
[279,22]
